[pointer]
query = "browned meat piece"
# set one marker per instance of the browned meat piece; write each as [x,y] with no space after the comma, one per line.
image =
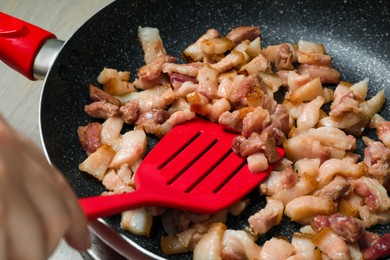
[349,228]
[377,157]
[279,180]
[238,244]
[335,189]
[176,77]
[114,183]
[246,88]
[151,74]
[208,82]
[314,58]
[101,109]
[153,70]
[269,147]
[239,34]
[89,136]
[380,249]
[255,121]
[267,217]
[283,74]
[288,177]
[368,239]
[374,194]
[247,146]
[280,55]
[151,120]
[383,131]
[375,151]
[237,143]
[189,69]
[326,74]
[280,125]
[231,121]
[130,112]
[97,94]
[284,59]
[256,66]
[269,103]
[281,119]
[158,116]
[347,102]
[194,53]
[263,142]
[332,246]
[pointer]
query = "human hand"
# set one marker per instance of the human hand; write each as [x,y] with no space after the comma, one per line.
[37,206]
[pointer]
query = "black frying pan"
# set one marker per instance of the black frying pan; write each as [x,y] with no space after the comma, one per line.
[356,34]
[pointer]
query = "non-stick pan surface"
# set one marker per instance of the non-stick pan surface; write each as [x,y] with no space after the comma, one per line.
[355,33]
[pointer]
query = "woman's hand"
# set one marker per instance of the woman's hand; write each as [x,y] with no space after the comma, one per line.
[37,206]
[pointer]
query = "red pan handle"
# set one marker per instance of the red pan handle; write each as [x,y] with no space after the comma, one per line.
[20,42]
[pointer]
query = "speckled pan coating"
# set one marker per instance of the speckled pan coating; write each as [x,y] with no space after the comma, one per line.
[355,33]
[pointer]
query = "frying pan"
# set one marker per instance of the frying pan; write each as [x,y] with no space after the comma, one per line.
[356,34]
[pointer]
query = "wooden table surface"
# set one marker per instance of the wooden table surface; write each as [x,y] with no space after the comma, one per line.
[19,97]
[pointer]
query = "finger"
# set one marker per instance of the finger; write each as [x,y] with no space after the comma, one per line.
[3,240]
[77,235]
[22,225]
[51,207]
[3,246]
[25,229]
[50,195]
[38,183]
[32,148]
[61,213]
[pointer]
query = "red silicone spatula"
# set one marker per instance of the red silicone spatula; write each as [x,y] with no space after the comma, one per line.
[192,168]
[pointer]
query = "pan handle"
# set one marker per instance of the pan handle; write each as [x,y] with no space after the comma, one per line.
[20,43]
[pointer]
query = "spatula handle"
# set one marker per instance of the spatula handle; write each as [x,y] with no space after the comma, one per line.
[102,206]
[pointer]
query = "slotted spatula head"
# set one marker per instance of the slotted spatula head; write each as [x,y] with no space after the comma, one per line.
[192,168]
